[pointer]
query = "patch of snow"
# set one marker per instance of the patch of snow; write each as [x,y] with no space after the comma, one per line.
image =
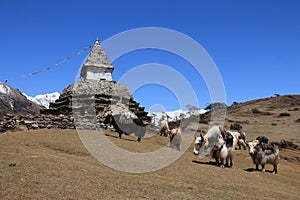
[11,103]
[157,117]
[44,99]
[4,88]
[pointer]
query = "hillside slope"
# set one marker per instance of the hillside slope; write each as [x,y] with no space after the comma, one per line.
[14,102]
[277,117]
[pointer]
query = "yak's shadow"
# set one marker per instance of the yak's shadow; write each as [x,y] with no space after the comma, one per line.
[257,170]
[116,136]
[212,163]
[112,136]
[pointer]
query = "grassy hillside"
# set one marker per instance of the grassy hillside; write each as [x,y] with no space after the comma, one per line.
[54,164]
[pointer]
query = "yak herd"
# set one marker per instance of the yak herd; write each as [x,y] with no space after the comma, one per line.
[221,143]
[218,142]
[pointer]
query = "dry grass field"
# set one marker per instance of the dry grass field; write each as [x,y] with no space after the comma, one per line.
[54,164]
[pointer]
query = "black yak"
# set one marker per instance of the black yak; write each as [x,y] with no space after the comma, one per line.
[127,125]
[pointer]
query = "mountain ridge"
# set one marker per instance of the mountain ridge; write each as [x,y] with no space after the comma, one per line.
[14,102]
[43,99]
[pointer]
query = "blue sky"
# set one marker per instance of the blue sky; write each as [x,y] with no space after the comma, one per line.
[254,44]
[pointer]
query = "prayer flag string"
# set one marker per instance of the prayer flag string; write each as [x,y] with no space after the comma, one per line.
[51,66]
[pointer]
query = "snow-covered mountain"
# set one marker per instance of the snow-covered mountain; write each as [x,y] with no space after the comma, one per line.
[44,99]
[157,117]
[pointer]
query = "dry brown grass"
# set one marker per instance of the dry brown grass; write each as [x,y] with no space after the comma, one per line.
[53,164]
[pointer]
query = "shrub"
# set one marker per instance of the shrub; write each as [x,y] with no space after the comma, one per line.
[287,145]
[215,106]
[290,96]
[204,119]
[255,111]
[285,114]
[236,126]
[235,103]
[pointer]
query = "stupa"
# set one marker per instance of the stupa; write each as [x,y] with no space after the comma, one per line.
[90,99]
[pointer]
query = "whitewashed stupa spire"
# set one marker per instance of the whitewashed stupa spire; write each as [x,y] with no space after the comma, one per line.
[97,66]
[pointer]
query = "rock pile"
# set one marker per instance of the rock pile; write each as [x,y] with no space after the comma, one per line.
[11,122]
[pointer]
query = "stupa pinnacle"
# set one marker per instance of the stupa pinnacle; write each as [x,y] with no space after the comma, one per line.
[97,66]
